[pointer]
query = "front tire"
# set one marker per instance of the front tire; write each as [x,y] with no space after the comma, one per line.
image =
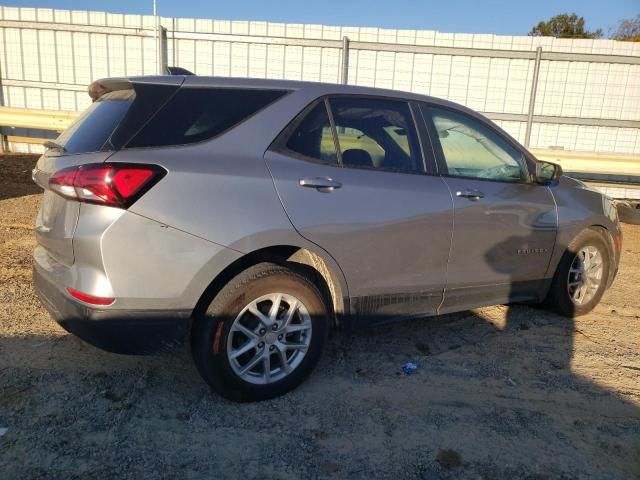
[262,334]
[582,275]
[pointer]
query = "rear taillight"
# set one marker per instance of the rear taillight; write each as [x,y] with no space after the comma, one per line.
[111,184]
[86,298]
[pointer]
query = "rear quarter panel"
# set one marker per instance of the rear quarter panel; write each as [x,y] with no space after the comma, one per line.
[221,190]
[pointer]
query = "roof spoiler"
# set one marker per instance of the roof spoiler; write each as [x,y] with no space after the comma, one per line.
[106,85]
[100,87]
[178,71]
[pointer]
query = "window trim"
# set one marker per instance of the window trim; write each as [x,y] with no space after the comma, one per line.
[334,131]
[439,153]
[279,145]
[429,157]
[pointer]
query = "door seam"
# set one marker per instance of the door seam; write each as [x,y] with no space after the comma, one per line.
[275,188]
[555,242]
[453,227]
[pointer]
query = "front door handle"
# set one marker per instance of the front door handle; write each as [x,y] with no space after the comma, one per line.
[322,184]
[471,194]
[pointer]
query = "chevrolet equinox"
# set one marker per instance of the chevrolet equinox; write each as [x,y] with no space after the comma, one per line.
[254,215]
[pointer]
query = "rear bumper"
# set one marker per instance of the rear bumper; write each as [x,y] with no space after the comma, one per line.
[136,332]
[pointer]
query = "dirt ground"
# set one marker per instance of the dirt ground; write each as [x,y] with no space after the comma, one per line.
[500,393]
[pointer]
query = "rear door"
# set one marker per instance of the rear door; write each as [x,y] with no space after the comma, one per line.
[505,225]
[351,176]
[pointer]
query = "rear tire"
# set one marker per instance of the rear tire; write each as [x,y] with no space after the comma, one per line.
[246,348]
[582,275]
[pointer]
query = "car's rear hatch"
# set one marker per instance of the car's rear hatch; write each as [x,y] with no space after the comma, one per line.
[120,109]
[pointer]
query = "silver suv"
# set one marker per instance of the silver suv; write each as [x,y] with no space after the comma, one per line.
[255,215]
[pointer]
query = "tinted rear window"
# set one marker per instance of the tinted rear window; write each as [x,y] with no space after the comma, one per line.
[93,127]
[195,114]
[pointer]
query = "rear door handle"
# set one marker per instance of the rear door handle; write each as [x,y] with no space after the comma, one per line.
[471,194]
[323,184]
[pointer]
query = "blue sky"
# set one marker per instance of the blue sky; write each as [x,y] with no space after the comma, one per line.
[508,17]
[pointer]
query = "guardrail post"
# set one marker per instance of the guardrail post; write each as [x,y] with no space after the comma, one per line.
[532,99]
[345,60]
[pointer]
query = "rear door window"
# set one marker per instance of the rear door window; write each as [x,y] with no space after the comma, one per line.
[376,133]
[196,114]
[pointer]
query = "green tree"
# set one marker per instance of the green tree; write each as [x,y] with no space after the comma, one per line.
[564,26]
[628,30]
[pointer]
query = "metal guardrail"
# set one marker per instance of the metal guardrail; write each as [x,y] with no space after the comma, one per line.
[11,118]
[590,162]
[584,162]
[36,119]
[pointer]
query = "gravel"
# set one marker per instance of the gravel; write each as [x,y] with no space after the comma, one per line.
[501,392]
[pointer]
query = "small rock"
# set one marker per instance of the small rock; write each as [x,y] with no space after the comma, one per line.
[112,396]
[329,467]
[320,435]
[449,458]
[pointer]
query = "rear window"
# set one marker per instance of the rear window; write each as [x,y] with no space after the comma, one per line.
[93,127]
[196,114]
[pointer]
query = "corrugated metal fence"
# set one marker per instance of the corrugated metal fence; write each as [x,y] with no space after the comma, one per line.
[586,93]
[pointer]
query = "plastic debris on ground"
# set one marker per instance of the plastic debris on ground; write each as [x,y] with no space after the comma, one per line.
[410,368]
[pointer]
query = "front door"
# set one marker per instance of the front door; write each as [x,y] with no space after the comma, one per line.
[505,224]
[351,177]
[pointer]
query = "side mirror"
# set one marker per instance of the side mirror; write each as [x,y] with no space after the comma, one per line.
[547,172]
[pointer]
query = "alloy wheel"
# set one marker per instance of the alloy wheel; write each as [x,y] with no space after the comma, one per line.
[585,275]
[269,338]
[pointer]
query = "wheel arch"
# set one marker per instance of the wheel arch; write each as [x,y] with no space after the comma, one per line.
[323,271]
[566,238]
[613,250]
